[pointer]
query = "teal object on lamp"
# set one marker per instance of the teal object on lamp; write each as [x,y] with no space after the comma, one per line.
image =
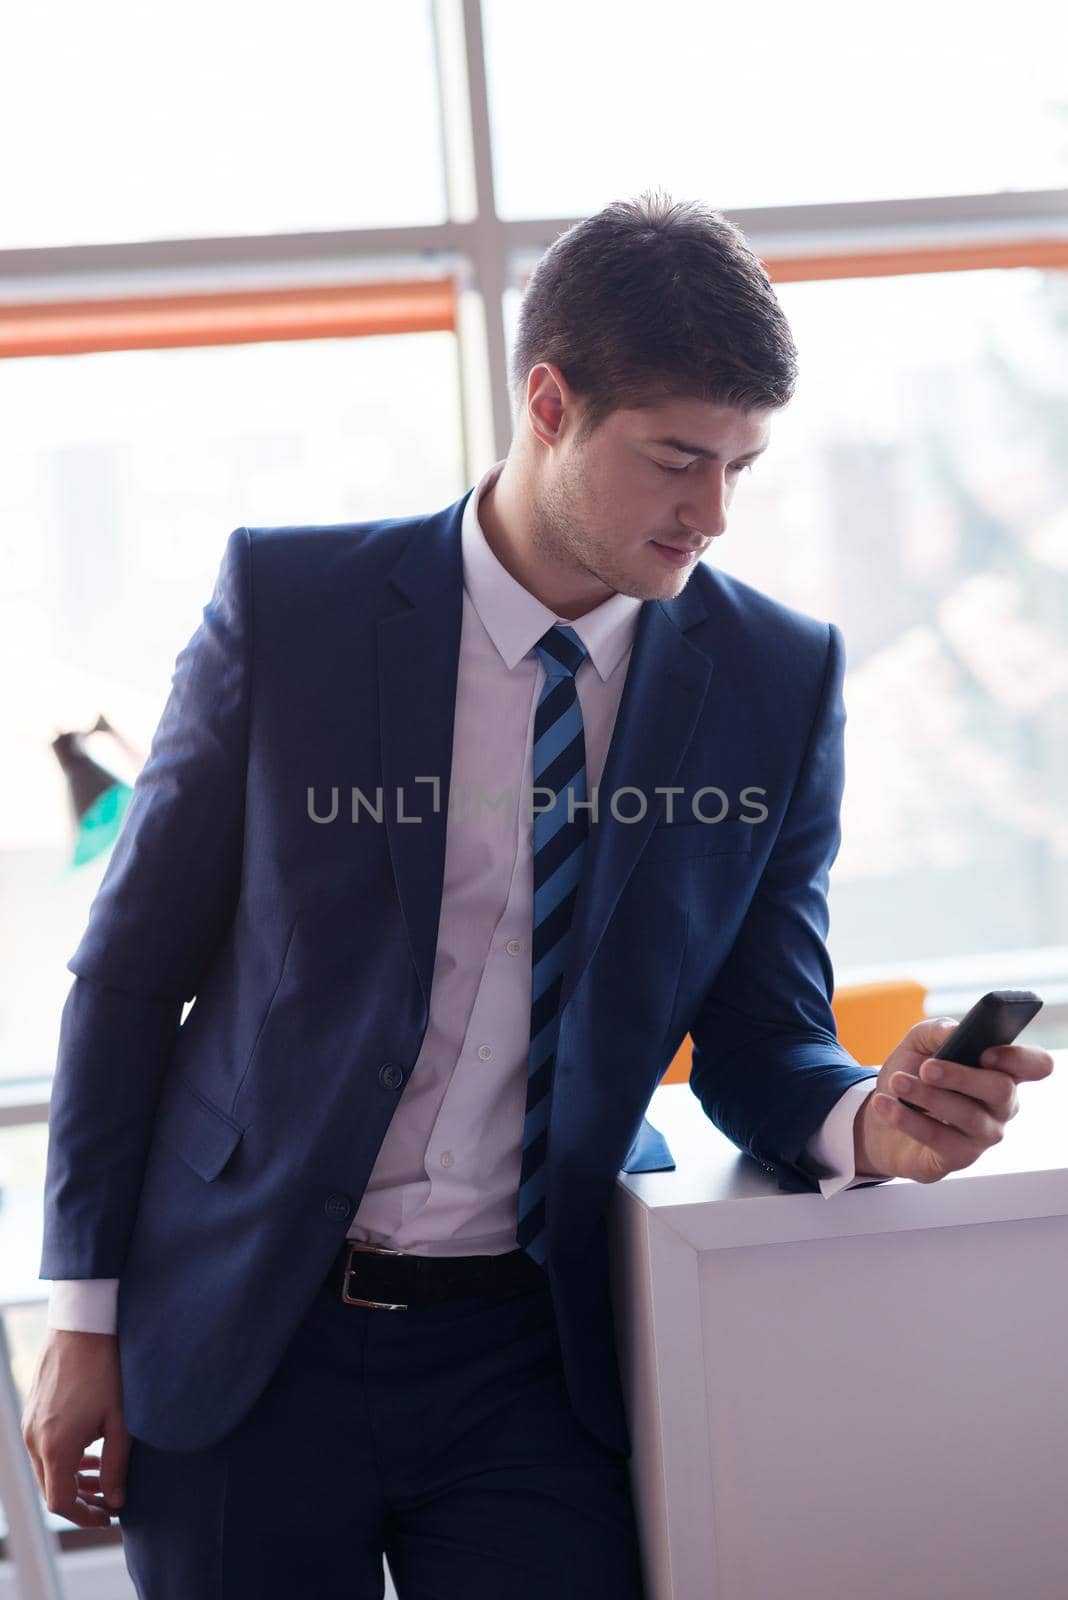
[98,797]
[100,825]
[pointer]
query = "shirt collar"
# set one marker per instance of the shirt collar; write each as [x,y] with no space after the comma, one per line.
[515,619]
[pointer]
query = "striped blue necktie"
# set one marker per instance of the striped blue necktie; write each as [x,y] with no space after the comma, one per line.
[559,766]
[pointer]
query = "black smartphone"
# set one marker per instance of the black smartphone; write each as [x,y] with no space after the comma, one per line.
[997,1018]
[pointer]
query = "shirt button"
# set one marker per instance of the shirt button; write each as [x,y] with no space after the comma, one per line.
[446,1158]
[338,1205]
[484,1052]
[391,1075]
[513,947]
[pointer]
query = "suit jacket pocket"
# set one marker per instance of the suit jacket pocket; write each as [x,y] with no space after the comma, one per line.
[730,837]
[194,1129]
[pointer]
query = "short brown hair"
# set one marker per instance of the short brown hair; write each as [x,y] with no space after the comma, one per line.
[655,299]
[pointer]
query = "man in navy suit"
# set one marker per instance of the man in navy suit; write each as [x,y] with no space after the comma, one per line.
[453,827]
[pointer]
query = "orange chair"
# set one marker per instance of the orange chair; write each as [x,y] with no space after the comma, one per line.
[870,1019]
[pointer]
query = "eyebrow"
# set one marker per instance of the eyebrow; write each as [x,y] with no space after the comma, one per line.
[699,450]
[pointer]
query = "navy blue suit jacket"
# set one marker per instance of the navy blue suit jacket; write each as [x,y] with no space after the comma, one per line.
[213,1164]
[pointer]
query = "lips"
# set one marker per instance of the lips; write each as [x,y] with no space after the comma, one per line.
[673,554]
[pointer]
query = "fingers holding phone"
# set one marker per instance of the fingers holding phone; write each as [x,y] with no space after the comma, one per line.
[947,1091]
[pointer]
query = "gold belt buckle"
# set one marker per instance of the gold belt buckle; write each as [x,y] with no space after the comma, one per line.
[355,1300]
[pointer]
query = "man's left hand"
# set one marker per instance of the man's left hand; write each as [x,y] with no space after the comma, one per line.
[968,1107]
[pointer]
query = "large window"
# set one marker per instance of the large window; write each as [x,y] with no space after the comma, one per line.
[914,494]
[247,117]
[784,104]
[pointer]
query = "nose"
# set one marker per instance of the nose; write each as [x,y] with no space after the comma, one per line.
[704,509]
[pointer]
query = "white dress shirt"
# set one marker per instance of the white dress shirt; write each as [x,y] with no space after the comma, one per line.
[446,1177]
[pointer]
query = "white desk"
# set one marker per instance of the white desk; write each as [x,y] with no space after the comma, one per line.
[861,1396]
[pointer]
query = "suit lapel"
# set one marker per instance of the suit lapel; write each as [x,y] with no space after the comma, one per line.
[418,663]
[667,680]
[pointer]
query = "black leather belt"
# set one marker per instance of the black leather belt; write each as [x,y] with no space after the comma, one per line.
[393,1280]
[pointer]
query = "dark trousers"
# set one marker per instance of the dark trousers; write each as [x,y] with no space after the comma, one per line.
[440,1436]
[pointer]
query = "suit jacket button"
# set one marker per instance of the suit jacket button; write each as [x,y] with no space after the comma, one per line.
[338,1205]
[391,1075]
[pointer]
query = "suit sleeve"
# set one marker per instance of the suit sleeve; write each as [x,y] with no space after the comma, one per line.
[165,903]
[767,1066]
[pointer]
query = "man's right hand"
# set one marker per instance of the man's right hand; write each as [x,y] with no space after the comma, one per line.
[76,1397]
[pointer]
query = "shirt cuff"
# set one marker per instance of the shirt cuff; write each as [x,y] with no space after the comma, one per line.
[84,1305]
[831,1146]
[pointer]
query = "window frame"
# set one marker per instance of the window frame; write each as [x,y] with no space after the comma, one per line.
[453,276]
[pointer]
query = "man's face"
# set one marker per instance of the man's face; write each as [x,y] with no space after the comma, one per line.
[637,504]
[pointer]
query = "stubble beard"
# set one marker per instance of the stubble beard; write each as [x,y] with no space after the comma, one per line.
[560,538]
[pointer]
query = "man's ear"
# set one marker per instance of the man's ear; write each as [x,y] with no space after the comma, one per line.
[549,401]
